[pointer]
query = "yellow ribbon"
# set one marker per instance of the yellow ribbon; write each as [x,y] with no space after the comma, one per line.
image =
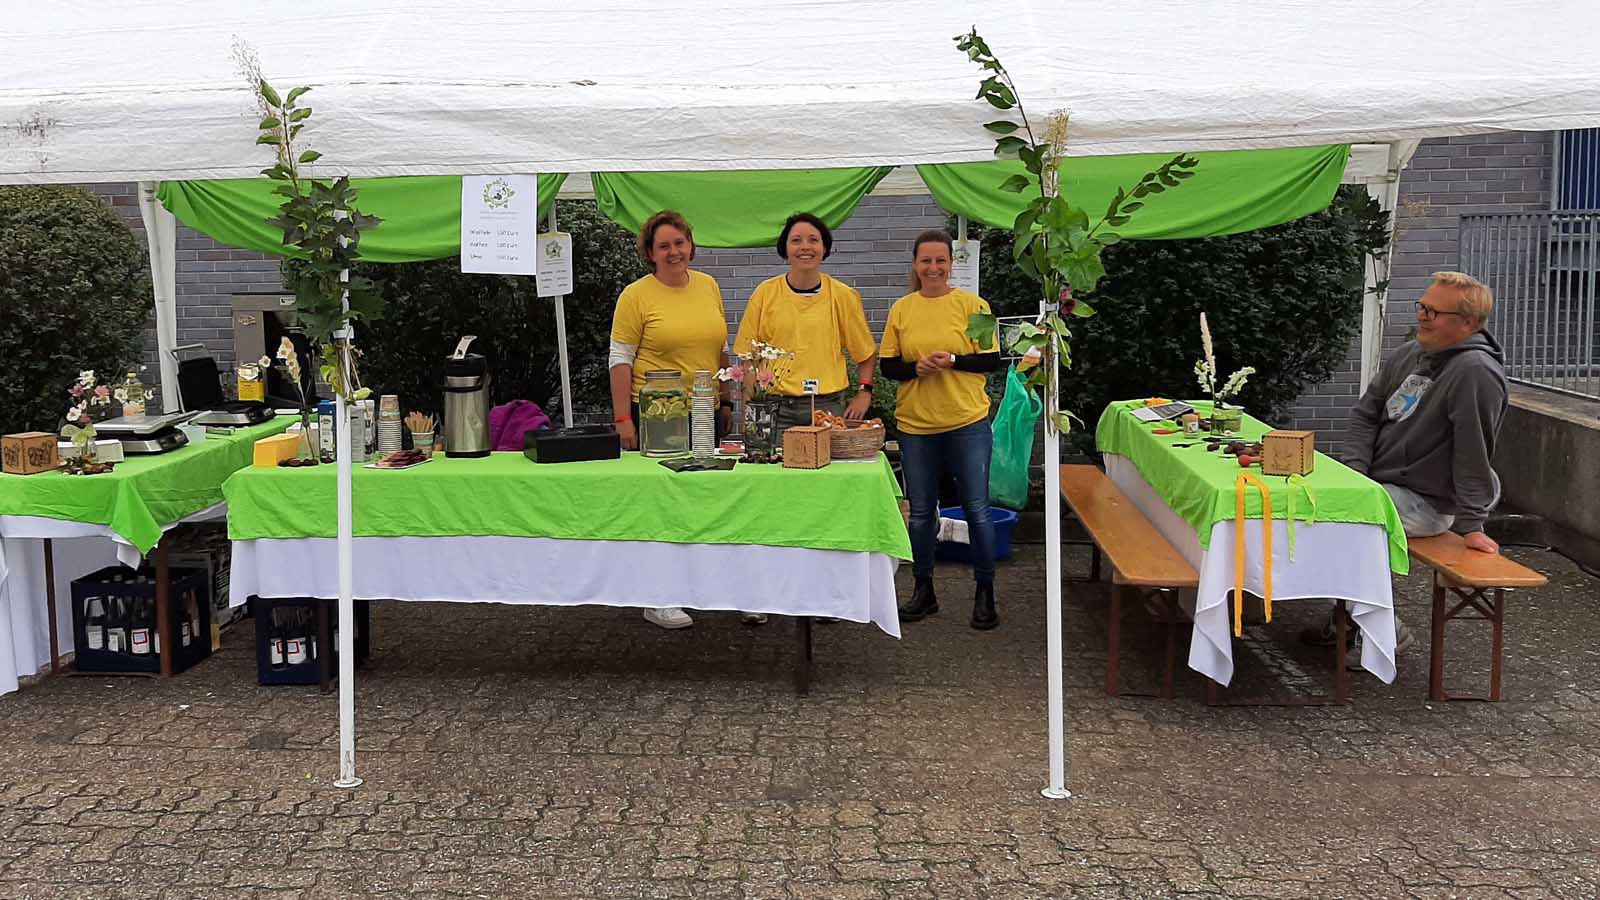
[1238,548]
[1311,518]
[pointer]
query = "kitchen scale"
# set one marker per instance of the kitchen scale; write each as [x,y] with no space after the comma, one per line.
[235,413]
[146,434]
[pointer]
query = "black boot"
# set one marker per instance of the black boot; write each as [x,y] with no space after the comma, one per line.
[922,603]
[983,615]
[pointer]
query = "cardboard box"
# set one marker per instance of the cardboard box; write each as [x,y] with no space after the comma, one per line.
[1288,452]
[807,447]
[28,453]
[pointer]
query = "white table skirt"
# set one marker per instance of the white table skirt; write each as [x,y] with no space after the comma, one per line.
[79,548]
[789,581]
[1332,560]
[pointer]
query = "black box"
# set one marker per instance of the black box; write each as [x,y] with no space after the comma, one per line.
[580,443]
[283,622]
[122,603]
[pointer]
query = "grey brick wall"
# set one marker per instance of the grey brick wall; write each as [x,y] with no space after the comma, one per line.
[1447,178]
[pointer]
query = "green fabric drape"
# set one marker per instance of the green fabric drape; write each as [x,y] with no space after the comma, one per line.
[735,209]
[1231,191]
[422,214]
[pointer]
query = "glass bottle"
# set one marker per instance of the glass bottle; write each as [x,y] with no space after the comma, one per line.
[663,414]
[275,639]
[94,623]
[295,647]
[140,639]
[134,388]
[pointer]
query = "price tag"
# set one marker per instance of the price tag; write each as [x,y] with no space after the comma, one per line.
[810,386]
[964,266]
[555,264]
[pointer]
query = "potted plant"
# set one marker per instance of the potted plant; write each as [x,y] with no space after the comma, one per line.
[1225,419]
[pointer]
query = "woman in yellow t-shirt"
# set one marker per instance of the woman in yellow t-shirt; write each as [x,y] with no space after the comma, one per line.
[670,319]
[817,318]
[942,414]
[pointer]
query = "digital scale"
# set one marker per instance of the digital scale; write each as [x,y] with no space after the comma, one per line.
[235,414]
[146,434]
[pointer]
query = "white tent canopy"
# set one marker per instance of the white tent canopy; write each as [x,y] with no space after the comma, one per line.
[105,90]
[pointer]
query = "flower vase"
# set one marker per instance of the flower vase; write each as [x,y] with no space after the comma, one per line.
[1226,419]
[760,428]
[310,445]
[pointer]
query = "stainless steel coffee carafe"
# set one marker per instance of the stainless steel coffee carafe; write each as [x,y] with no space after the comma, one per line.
[466,402]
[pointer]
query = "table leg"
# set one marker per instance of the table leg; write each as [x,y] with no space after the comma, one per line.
[163,615]
[1341,678]
[1436,643]
[50,604]
[1114,640]
[802,665]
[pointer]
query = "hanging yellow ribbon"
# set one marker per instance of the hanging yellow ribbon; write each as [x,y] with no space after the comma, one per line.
[1311,517]
[1238,548]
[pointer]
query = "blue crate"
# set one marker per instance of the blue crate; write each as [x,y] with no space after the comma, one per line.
[1004,520]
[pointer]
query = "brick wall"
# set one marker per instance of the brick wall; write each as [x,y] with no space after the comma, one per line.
[1447,178]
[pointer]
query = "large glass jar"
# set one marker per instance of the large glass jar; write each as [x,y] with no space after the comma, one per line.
[663,414]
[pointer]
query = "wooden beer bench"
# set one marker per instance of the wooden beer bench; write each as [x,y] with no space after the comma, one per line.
[1141,561]
[1470,575]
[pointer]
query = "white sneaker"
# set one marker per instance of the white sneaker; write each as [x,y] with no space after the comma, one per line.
[753,618]
[668,617]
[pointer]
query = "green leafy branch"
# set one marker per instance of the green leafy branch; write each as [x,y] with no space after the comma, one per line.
[1055,243]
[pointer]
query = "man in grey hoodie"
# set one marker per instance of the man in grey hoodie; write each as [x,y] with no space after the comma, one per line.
[1425,428]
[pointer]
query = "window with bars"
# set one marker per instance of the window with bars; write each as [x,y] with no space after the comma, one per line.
[1577,170]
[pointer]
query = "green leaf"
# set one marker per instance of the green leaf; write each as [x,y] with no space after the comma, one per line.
[300,115]
[1108,238]
[999,101]
[1181,174]
[1008,146]
[1132,207]
[1032,159]
[1023,225]
[295,95]
[1001,126]
[268,94]
[268,139]
[310,156]
[981,328]
[1064,422]
[1016,184]
[1082,310]
[269,122]
[1117,221]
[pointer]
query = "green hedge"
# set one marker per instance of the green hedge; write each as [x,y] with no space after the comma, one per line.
[73,295]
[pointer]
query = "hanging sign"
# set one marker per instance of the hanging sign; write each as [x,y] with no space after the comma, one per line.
[964,266]
[555,264]
[499,215]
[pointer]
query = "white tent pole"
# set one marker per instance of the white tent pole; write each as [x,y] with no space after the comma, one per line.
[1373,301]
[161,231]
[347,618]
[561,340]
[1057,789]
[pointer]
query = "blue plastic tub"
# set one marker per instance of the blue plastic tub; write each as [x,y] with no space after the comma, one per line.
[1004,520]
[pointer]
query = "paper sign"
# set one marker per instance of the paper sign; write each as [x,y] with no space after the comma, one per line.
[555,264]
[809,386]
[964,266]
[498,223]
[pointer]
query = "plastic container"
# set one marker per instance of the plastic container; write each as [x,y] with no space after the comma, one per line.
[1004,521]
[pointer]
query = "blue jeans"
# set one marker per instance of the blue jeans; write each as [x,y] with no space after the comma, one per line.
[965,453]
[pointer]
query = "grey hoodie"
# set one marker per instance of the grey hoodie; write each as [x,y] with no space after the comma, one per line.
[1428,422]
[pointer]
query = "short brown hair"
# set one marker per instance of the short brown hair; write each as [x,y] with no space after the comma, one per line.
[647,232]
[1477,301]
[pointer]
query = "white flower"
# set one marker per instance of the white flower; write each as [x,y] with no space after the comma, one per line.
[121,394]
[770,353]
[75,413]
[264,362]
[86,377]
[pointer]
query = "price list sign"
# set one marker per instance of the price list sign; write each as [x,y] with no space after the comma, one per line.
[499,224]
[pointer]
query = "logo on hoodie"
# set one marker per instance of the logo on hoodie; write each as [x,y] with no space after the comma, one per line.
[1405,400]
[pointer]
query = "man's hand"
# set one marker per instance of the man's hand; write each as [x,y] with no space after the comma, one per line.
[1481,542]
[856,409]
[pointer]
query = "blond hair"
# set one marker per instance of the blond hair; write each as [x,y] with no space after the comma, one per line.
[1477,301]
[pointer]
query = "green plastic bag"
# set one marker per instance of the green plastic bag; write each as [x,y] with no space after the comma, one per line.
[1013,443]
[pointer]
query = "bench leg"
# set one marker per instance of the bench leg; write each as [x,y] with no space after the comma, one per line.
[1436,644]
[1341,678]
[1094,562]
[1173,613]
[1498,619]
[1113,638]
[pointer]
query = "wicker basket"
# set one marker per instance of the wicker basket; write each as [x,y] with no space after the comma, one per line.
[856,443]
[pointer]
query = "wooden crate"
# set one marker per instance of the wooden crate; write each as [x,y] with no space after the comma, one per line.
[1288,452]
[807,447]
[28,452]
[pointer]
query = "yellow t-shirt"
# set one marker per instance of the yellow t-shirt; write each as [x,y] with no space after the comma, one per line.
[918,326]
[674,328]
[816,328]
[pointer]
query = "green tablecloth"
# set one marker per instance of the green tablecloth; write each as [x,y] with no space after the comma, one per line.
[143,493]
[1199,485]
[844,506]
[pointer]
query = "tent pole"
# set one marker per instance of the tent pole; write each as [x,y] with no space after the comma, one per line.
[561,340]
[1057,789]
[347,617]
[1376,295]
[160,231]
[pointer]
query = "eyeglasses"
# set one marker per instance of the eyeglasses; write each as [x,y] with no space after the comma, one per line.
[1430,313]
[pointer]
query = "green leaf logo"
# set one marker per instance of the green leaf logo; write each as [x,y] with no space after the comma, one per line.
[497,194]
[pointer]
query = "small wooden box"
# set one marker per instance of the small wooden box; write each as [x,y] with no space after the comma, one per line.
[1288,452]
[28,453]
[807,447]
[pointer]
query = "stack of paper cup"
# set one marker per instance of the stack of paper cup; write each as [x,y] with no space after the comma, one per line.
[389,426]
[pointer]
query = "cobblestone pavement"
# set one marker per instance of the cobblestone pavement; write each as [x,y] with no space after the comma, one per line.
[520,752]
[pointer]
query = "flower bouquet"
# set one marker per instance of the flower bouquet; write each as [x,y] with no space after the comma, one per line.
[760,370]
[1225,419]
[87,396]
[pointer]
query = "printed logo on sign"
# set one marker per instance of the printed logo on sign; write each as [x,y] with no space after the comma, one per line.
[552,249]
[1404,401]
[497,194]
